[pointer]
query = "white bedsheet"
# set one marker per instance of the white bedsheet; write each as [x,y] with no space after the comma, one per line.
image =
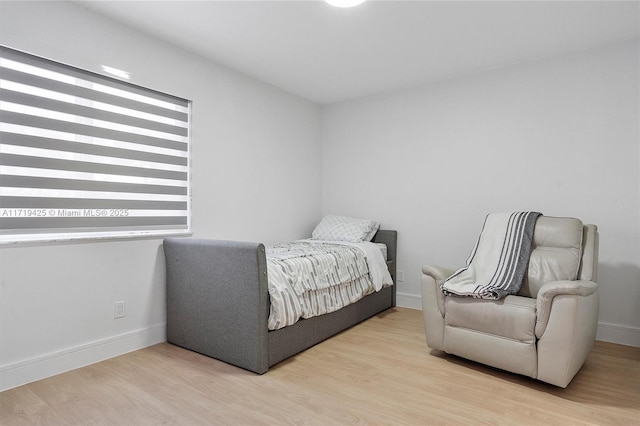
[376,259]
[298,289]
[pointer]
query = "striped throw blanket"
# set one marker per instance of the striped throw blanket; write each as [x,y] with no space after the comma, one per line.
[499,260]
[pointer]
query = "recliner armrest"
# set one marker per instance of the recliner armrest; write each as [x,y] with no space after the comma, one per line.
[433,304]
[558,288]
[438,273]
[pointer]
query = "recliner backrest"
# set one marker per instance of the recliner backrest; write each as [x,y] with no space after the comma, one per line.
[556,253]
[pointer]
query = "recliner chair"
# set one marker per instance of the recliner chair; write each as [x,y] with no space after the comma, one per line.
[547,330]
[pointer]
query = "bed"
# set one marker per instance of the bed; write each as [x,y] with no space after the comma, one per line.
[218,303]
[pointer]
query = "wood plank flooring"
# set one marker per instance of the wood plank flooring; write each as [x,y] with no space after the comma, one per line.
[378,372]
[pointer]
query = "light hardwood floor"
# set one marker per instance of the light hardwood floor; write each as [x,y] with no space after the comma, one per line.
[378,372]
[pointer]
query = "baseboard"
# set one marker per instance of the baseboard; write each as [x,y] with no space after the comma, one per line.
[43,366]
[412,301]
[615,333]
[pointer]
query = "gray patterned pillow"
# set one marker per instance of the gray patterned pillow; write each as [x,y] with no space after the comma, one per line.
[343,228]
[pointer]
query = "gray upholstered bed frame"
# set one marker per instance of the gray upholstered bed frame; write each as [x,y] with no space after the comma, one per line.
[218,303]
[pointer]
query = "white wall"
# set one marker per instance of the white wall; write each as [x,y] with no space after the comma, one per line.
[249,140]
[558,135]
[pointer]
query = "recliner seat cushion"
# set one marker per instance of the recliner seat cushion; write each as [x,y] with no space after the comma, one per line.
[513,317]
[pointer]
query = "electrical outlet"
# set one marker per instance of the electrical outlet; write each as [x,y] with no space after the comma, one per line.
[118,310]
[400,275]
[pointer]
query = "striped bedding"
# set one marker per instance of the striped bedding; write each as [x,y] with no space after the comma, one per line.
[309,278]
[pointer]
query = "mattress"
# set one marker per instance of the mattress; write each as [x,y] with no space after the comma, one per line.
[383,250]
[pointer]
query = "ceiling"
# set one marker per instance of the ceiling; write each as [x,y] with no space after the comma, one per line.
[327,55]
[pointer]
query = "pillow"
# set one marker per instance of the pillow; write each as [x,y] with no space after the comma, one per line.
[343,228]
[373,231]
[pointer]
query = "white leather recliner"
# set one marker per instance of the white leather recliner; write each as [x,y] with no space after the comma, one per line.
[545,331]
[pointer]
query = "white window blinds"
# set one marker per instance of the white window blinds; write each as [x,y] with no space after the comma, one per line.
[87,156]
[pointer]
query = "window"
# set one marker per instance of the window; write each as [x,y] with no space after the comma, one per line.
[87,156]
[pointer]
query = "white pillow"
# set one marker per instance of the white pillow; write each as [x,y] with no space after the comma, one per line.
[343,228]
[373,231]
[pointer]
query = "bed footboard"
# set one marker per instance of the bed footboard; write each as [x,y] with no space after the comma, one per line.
[217,300]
